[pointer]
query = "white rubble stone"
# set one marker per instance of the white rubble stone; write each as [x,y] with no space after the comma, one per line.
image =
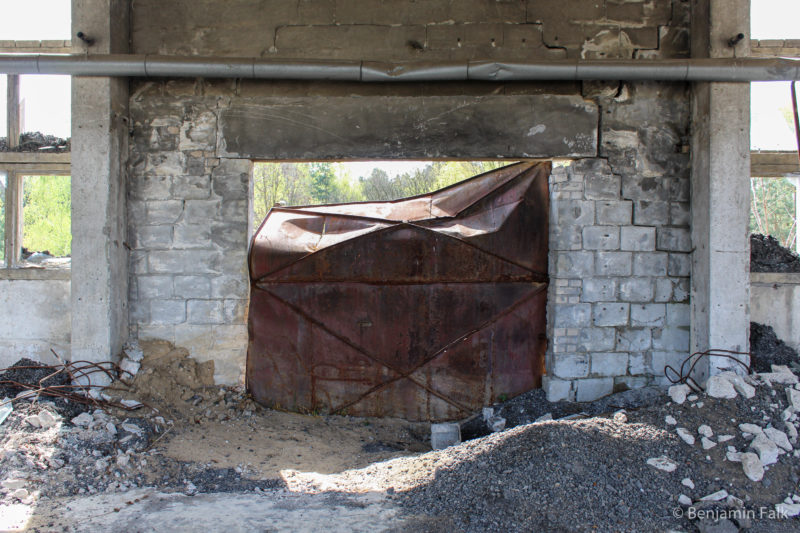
[496,424]
[684,434]
[716,496]
[678,393]
[788,510]
[793,396]
[753,429]
[752,466]
[133,351]
[47,419]
[686,482]
[83,419]
[20,494]
[122,460]
[778,437]
[766,449]
[692,397]
[739,384]
[700,405]
[14,484]
[733,457]
[780,374]
[795,498]
[725,438]
[129,366]
[705,431]
[684,500]
[132,428]
[131,404]
[662,463]
[707,443]
[719,387]
[545,417]
[792,431]
[670,420]
[33,420]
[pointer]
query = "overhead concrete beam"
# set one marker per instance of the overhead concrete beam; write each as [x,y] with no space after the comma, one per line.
[99,151]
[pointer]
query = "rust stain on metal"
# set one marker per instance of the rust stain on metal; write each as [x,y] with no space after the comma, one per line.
[425,308]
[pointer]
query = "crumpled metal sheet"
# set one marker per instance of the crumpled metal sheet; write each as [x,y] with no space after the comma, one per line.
[425,308]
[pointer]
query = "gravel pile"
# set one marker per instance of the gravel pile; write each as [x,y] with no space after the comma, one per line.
[767,255]
[768,349]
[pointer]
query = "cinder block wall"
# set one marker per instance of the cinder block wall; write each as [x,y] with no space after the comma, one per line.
[619,235]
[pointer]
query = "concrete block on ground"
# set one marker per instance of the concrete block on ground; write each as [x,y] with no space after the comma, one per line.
[444,435]
[557,390]
[587,390]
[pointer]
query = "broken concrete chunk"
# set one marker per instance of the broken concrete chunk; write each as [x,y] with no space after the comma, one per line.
[130,368]
[739,384]
[686,482]
[47,419]
[444,435]
[766,449]
[751,429]
[780,374]
[678,393]
[14,484]
[670,420]
[684,500]
[725,438]
[716,496]
[131,404]
[662,463]
[752,466]
[33,420]
[545,417]
[720,387]
[793,396]
[20,494]
[733,457]
[684,434]
[496,423]
[133,352]
[778,437]
[705,431]
[788,510]
[707,443]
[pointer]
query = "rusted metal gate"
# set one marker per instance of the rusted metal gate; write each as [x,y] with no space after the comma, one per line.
[425,308]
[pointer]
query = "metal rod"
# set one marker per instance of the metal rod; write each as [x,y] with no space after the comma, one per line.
[686,70]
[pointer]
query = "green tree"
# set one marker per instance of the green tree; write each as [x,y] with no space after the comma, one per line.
[46,222]
[772,209]
[323,183]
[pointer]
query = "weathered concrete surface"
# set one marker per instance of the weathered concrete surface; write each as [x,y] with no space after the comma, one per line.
[149,510]
[34,317]
[426,127]
[775,301]
[99,151]
[720,190]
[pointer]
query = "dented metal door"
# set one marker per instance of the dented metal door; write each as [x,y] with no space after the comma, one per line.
[425,308]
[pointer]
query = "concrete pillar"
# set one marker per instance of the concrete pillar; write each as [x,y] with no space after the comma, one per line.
[720,296]
[99,154]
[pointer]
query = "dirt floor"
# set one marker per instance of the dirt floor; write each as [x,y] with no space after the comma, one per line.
[194,451]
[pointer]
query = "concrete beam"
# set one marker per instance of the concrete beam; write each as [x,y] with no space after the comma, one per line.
[99,151]
[720,293]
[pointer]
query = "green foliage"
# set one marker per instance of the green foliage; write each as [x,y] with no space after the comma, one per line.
[772,209]
[46,205]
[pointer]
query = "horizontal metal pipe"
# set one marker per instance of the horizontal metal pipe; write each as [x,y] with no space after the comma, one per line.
[719,70]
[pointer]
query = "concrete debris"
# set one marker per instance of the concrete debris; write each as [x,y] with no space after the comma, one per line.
[545,417]
[684,434]
[13,484]
[33,420]
[707,443]
[780,374]
[750,429]
[47,419]
[739,384]
[678,393]
[662,463]
[725,438]
[767,450]
[6,408]
[83,420]
[705,431]
[684,500]
[670,420]
[132,404]
[779,437]
[686,482]
[793,396]
[733,456]
[716,496]
[788,510]
[752,466]
[20,494]
[444,435]
[719,387]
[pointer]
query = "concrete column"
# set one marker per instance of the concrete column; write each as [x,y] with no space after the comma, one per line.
[99,154]
[720,295]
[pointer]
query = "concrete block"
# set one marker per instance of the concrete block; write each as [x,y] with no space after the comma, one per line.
[611,314]
[151,187]
[164,163]
[204,311]
[643,315]
[661,359]
[201,211]
[679,189]
[230,187]
[587,390]
[633,339]
[192,287]
[662,290]
[614,263]
[230,337]
[570,366]
[679,214]
[154,287]
[618,213]
[153,237]
[631,382]
[680,265]
[601,187]
[164,212]
[235,311]
[650,264]
[671,339]
[596,339]
[230,286]
[572,315]
[639,363]
[653,189]
[574,212]
[609,364]
[200,133]
[187,236]
[638,238]
[636,289]
[574,264]
[445,434]
[674,239]
[678,315]
[601,238]
[156,332]
[650,213]
[230,236]
[183,261]
[191,187]
[599,290]
[680,290]
[565,237]
[557,390]
[233,210]
[166,312]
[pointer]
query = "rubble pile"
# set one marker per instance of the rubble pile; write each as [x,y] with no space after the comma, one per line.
[37,142]
[767,255]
